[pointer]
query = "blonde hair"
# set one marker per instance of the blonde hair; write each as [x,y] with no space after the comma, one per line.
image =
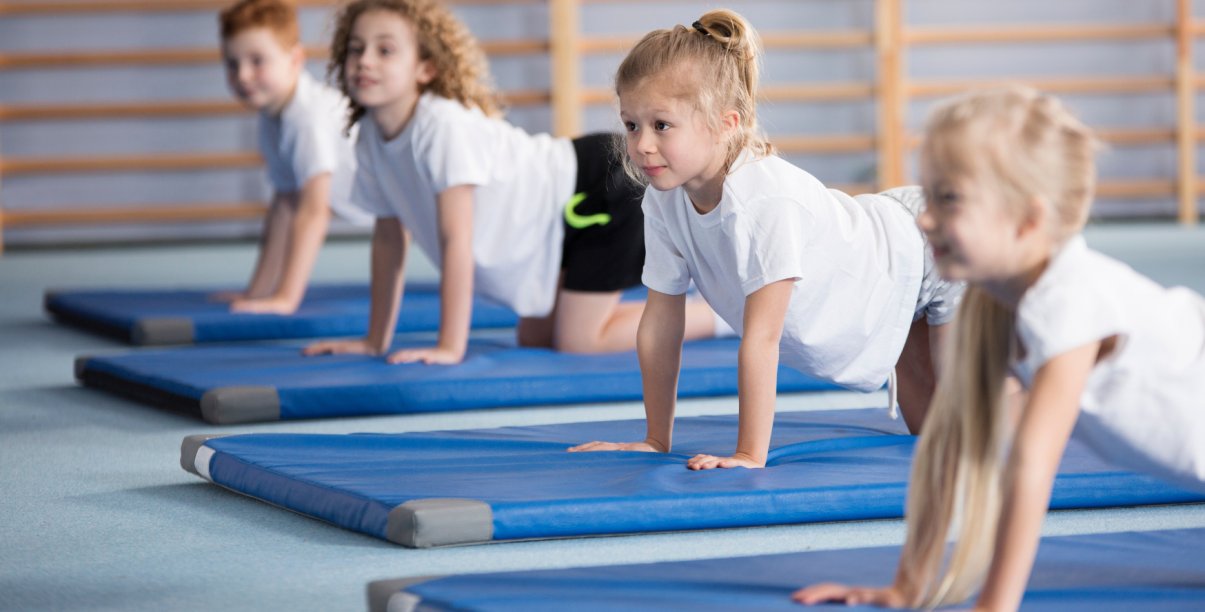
[461,71]
[1031,147]
[278,16]
[728,49]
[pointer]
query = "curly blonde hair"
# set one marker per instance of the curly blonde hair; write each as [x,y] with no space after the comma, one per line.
[461,70]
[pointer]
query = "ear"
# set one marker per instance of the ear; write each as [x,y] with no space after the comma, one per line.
[426,72]
[1036,217]
[297,57]
[731,120]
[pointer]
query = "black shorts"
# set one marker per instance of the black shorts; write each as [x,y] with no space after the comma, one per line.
[604,226]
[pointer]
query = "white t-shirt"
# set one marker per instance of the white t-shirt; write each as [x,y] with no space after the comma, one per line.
[1144,404]
[306,140]
[523,182]
[857,264]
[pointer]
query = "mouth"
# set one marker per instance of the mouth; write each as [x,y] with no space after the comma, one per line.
[653,171]
[363,82]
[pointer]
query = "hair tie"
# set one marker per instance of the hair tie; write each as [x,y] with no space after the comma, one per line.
[700,29]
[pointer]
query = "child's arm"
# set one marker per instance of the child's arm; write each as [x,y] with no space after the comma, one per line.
[659,346]
[765,311]
[390,242]
[1038,445]
[1042,432]
[273,242]
[306,231]
[455,210]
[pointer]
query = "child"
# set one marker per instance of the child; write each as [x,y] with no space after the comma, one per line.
[839,286]
[547,226]
[309,160]
[1009,176]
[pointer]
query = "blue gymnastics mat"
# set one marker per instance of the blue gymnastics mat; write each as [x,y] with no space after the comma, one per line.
[158,317]
[249,383]
[459,487]
[1154,570]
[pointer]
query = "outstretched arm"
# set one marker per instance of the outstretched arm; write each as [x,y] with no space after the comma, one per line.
[307,226]
[269,261]
[1042,434]
[390,241]
[455,282]
[765,311]
[659,346]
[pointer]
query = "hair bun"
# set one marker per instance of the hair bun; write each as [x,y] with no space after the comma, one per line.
[731,30]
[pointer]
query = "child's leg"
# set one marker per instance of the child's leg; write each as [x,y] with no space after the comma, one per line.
[589,322]
[917,370]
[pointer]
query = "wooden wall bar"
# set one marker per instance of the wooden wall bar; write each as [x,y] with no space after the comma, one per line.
[567,48]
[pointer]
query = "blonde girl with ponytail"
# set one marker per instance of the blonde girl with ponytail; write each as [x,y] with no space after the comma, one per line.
[546,226]
[835,286]
[1009,177]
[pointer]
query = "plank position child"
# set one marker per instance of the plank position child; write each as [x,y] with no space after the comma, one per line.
[1009,177]
[835,286]
[309,159]
[546,226]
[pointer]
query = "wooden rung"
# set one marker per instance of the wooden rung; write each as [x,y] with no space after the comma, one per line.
[852,188]
[1197,28]
[838,143]
[181,108]
[137,110]
[1136,188]
[146,214]
[205,55]
[62,7]
[1063,85]
[129,163]
[1034,33]
[812,92]
[770,40]
[1114,136]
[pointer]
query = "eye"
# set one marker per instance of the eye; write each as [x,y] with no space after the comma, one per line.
[386,51]
[660,126]
[629,126]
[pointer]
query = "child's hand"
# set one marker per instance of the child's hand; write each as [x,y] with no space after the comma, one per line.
[707,462]
[280,306]
[643,447]
[359,346]
[435,355]
[888,597]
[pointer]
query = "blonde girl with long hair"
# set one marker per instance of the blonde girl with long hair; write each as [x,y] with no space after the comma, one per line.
[835,286]
[1009,177]
[546,226]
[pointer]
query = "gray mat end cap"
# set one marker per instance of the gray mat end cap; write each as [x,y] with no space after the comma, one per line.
[189,448]
[226,405]
[162,331]
[380,591]
[423,523]
[81,364]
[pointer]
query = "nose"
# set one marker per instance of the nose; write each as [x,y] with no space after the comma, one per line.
[645,142]
[243,73]
[925,220]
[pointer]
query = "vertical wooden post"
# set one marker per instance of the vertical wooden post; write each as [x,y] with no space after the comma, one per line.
[891,96]
[564,37]
[1186,123]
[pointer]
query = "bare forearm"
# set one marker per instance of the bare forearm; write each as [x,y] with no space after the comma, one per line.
[660,352]
[273,243]
[1025,501]
[758,383]
[309,227]
[389,245]
[456,294]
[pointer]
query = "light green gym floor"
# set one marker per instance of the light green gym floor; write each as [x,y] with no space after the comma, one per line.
[96,514]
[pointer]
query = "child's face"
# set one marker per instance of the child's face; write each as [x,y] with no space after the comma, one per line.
[383,68]
[669,140]
[260,71]
[975,235]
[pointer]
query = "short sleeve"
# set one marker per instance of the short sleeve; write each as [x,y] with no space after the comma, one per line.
[366,193]
[665,268]
[770,239]
[316,151]
[453,151]
[1058,317]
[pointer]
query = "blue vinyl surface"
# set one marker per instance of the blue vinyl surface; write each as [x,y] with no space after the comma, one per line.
[494,373]
[1156,570]
[328,311]
[823,466]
